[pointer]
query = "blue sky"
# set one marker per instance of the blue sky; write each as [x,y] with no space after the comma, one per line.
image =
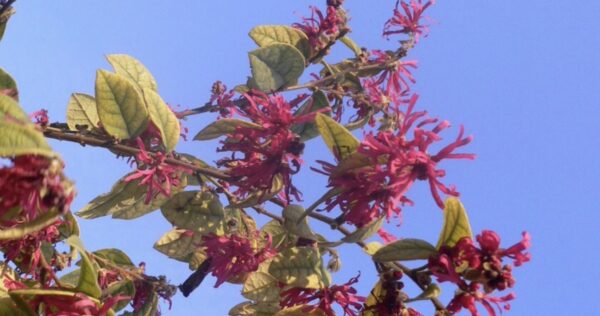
[523,77]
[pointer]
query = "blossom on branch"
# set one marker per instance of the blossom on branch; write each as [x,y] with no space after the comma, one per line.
[320,27]
[407,19]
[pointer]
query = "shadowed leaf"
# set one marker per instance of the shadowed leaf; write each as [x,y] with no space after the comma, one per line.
[298,267]
[276,66]
[456,224]
[163,118]
[338,139]
[81,111]
[405,249]
[223,127]
[264,35]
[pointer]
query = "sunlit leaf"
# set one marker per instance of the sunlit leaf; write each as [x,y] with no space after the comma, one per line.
[432,291]
[279,235]
[22,139]
[351,45]
[405,249]
[88,278]
[298,267]
[133,70]
[178,244]
[163,118]
[223,127]
[365,231]
[115,256]
[261,287]
[121,107]
[254,309]
[338,139]
[456,224]
[275,66]
[264,35]
[295,223]
[309,130]
[8,83]
[197,211]
[82,111]
[301,310]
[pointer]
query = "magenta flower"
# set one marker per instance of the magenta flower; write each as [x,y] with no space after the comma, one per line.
[223,99]
[407,19]
[154,172]
[268,152]
[343,295]
[320,26]
[40,117]
[396,78]
[234,255]
[396,162]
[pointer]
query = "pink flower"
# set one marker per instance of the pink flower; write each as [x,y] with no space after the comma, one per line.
[407,19]
[40,117]
[467,300]
[391,303]
[270,151]
[319,26]
[343,295]
[154,172]
[395,163]
[234,255]
[222,99]
[396,78]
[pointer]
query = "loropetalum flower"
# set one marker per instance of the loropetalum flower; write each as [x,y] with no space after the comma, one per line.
[390,301]
[223,99]
[395,162]
[479,271]
[270,151]
[154,172]
[396,79]
[343,295]
[320,27]
[407,19]
[235,255]
[40,117]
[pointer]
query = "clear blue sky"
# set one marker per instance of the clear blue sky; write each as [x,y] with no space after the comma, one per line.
[523,77]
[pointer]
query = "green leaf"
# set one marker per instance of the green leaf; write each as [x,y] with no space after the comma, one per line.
[309,130]
[115,256]
[296,223]
[178,244]
[133,70]
[338,139]
[301,310]
[351,45]
[7,306]
[164,119]
[456,224]
[125,288]
[264,35]
[277,232]
[88,279]
[254,309]
[223,127]
[121,108]
[298,267]
[432,291]
[8,106]
[260,197]
[71,279]
[365,231]
[8,83]
[4,20]
[261,287]
[82,112]
[200,212]
[6,273]
[22,139]
[126,200]
[276,66]
[405,249]
[26,228]
[372,247]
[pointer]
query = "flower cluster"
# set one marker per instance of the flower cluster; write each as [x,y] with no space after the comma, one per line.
[154,172]
[479,271]
[396,79]
[343,295]
[392,162]
[389,301]
[270,149]
[235,255]
[222,99]
[407,19]
[321,28]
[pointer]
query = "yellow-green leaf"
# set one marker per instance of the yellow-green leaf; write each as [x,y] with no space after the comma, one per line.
[8,83]
[264,35]
[223,127]
[115,256]
[22,139]
[82,112]
[456,223]
[365,231]
[26,228]
[276,66]
[277,232]
[121,108]
[338,139]
[372,247]
[254,309]
[351,45]
[178,244]
[296,223]
[298,267]
[301,310]
[133,70]
[164,119]
[309,130]
[4,20]
[88,278]
[432,291]
[200,212]
[405,249]
[10,107]
[261,287]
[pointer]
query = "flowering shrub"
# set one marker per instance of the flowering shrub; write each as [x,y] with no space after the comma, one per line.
[262,127]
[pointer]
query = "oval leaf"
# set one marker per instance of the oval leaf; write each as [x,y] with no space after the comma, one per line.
[264,35]
[223,127]
[200,212]
[364,232]
[298,267]
[309,130]
[261,287]
[133,70]
[178,244]
[163,118]
[296,223]
[276,66]
[115,256]
[88,276]
[338,139]
[10,107]
[456,224]
[22,139]
[8,84]
[81,112]
[121,108]
[405,249]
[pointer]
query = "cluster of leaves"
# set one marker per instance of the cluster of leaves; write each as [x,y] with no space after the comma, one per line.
[282,266]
